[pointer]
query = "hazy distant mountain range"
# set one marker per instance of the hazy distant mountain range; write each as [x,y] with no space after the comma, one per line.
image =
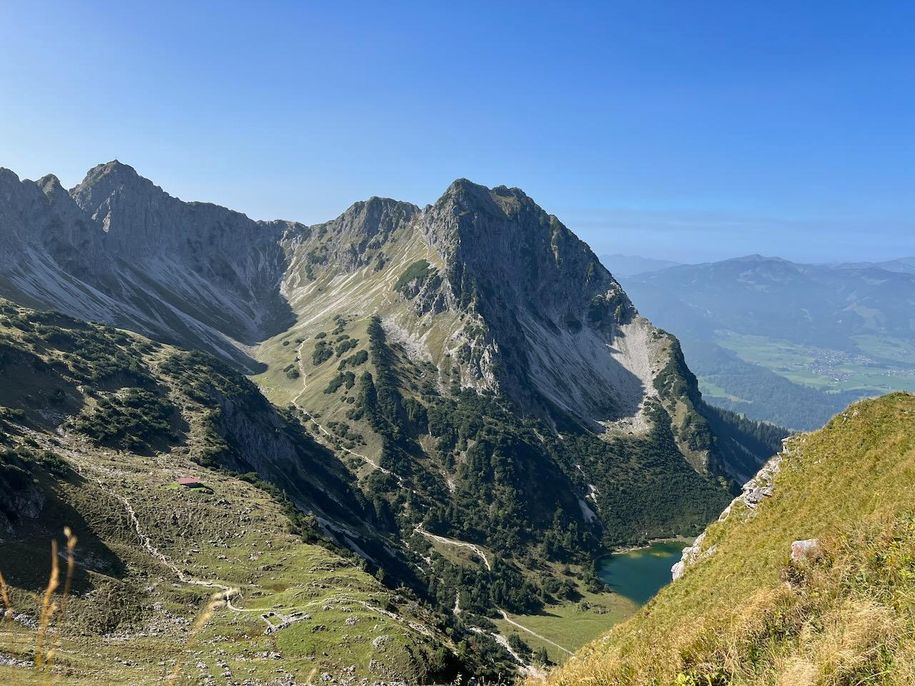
[629,265]
[903,264]
[786,342]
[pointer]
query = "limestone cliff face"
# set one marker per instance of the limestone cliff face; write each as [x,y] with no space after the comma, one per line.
[551,310]
[119,249]
[357,237]
[40,219]
[503,249]
[538,318]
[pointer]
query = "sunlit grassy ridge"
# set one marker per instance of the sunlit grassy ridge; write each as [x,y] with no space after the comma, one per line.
[748,615]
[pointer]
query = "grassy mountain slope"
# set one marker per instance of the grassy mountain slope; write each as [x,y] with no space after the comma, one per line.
[489,306]
[745,613]
[96,427]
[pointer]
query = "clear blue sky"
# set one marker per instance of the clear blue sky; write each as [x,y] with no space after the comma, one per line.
[683,130]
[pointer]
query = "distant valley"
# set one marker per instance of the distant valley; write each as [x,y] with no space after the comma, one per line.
[785,342]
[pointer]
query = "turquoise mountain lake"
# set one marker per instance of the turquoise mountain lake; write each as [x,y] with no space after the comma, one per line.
[640,574]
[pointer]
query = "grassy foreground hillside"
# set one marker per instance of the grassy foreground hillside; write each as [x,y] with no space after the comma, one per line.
[746,613]
[226,578]
[199,585]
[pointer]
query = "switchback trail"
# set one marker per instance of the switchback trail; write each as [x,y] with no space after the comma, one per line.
[526,667]
[304,374]
[228,592]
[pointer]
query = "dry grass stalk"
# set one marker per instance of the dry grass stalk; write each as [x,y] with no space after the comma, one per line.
[217,600]
[68,583]
[71,568]
[5,597]
[48,607]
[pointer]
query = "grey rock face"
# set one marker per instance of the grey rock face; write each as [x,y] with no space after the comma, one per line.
[757,489]
[754,492]
[356,238]
[691,555]
[118,249]
[531,280]
[802,551]
[533,313]
[26,503]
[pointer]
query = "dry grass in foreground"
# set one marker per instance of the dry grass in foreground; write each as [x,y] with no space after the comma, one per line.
[749,616]
[51,608]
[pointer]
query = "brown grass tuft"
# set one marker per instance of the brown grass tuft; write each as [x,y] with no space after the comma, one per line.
[217,601]
[47,608]
[5,597]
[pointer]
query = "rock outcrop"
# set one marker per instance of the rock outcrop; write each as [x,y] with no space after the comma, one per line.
[691,555]
[753,493]
[802,551]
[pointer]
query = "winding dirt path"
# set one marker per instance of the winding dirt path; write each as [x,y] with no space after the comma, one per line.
[526,667]
[362,457]
[533,633]
[365,458]
[229,593]
[455,542]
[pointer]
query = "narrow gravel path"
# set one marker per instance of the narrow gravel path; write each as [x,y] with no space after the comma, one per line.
[533,633]
[230,593]
[455,542]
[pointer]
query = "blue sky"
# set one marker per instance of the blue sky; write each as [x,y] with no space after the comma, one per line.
[683,130]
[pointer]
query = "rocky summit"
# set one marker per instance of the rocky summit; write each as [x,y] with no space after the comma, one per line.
[483,281]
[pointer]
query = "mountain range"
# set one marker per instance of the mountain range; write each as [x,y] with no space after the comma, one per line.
[786,342]
[460,395]
[630,265]
[483,284]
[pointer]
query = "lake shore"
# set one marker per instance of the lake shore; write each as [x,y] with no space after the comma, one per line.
[640,572]
[688,540]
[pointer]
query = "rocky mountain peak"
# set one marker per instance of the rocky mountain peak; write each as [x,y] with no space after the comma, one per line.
[39,213]
[501,240]
[49,184]
[8,176]
[114,171]
[466,196]
[58,197]
[99,193]
[373,216]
